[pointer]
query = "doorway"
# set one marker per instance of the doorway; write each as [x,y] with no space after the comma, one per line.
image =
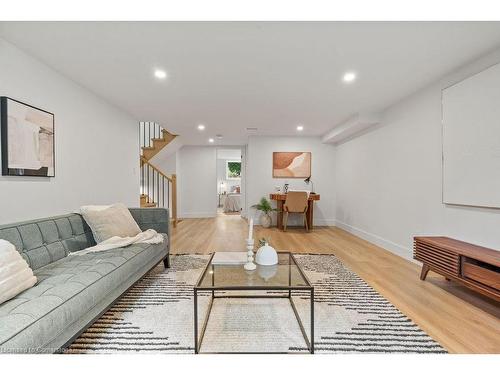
[230,177]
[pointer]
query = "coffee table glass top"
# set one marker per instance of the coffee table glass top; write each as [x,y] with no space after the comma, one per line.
[285,275]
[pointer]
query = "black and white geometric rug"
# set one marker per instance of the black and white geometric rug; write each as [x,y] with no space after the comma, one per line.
[156,316]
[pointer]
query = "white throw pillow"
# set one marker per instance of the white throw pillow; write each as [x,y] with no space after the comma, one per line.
[15,274]
[93,208]
[110,221]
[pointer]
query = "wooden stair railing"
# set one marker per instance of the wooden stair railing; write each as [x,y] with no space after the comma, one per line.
[157,189]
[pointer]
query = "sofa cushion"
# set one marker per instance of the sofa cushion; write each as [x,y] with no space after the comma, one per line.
[67,289]
[44,241]
[110,221]
[15,274]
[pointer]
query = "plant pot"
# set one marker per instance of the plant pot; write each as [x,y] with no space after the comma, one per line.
[265,220]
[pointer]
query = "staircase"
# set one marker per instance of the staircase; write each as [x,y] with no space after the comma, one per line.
[157,189]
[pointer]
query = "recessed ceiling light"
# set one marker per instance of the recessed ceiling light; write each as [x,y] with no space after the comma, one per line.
[349,77]
[211,140]
[300,128]
[201,127]
[160,74]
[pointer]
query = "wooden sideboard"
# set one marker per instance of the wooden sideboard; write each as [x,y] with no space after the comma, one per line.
[474,266]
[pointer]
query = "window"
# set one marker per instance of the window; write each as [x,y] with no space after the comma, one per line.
[233,170]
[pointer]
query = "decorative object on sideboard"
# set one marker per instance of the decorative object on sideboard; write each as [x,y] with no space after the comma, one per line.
[309,181]
[266,255]
[27,135]
[291,164]
[265,207]
[285,188]
[250,265]
[277,189]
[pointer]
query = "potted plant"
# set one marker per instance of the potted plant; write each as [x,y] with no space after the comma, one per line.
[265,206]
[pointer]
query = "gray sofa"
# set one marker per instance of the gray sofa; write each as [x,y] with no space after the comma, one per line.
[72,291]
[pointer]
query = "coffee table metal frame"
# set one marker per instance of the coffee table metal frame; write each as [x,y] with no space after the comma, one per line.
[198,338]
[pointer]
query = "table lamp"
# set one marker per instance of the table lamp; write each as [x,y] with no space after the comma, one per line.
[309,181]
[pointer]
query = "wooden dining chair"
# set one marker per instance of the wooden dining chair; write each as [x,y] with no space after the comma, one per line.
[295,203]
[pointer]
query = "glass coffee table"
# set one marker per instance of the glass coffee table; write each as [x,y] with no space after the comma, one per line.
[233,281]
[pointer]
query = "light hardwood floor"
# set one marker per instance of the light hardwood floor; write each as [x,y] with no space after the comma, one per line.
[461,320]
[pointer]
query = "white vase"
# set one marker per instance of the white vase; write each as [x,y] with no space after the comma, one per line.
[266,256]
[265,220]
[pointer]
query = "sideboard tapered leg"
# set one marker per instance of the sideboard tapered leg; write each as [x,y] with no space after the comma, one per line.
[425,270]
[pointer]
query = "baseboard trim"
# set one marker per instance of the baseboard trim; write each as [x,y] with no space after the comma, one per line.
[294,222]
[388,245]
[324,222]
[197,215]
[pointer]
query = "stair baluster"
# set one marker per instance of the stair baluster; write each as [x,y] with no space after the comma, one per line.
[157,189]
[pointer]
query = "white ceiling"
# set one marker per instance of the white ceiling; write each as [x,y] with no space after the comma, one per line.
[269,75]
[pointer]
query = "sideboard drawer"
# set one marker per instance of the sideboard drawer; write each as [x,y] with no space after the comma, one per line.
[486,275]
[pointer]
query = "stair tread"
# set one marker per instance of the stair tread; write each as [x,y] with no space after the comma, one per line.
[148,152]
[166,131]
[158,144]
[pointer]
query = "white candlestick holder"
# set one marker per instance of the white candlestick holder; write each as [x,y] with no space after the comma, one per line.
[250,265]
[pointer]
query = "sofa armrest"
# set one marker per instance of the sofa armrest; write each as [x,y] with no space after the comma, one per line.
[152,218]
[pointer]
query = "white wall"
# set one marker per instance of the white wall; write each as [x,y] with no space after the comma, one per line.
[260,181]
[166,159]
[96,144]
[166,164]
[197,181]
[389,180]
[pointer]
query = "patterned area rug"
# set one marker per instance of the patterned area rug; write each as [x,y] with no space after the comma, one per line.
[156,315]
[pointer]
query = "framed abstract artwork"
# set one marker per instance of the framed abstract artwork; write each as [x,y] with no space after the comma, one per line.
[27,136]
[291,164]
